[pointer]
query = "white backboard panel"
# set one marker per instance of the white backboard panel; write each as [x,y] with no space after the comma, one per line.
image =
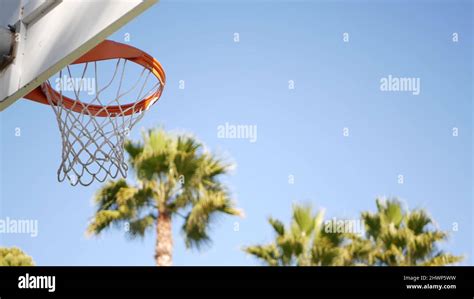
[54,33]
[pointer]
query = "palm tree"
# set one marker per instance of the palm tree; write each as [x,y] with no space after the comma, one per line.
[14,257]
[404,238]
[393,237]
[175,176]
[306,242]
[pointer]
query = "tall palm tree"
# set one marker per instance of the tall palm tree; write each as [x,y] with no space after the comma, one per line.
[306,242]
[404,238]
[175,176]
[14,257]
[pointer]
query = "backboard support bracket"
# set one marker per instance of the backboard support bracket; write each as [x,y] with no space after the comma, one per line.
[7,42]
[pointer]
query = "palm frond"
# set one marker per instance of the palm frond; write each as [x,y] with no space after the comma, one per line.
[152,167]
[303,220]
[267,253]
[138,227]
[118,202]
[134,149]
[199,218]
[417,221]
[373,225]
[105,198]
[277,225]
[102,220]
[390,210]
[443,259]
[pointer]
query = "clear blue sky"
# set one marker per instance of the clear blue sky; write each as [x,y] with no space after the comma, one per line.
[299,131]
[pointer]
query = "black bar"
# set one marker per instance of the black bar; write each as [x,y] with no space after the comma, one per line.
[291,282]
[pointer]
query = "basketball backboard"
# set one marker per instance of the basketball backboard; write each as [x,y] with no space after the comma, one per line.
[50,34]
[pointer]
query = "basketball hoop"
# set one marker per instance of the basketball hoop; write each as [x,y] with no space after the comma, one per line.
[94,132]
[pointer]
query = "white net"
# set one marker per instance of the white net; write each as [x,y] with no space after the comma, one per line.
[95,124]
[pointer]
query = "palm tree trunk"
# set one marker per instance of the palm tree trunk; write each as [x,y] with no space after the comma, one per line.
[164,240]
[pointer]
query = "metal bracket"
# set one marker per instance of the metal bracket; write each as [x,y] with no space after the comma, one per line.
[7,44]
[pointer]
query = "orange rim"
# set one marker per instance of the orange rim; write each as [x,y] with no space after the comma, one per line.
[104,51]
